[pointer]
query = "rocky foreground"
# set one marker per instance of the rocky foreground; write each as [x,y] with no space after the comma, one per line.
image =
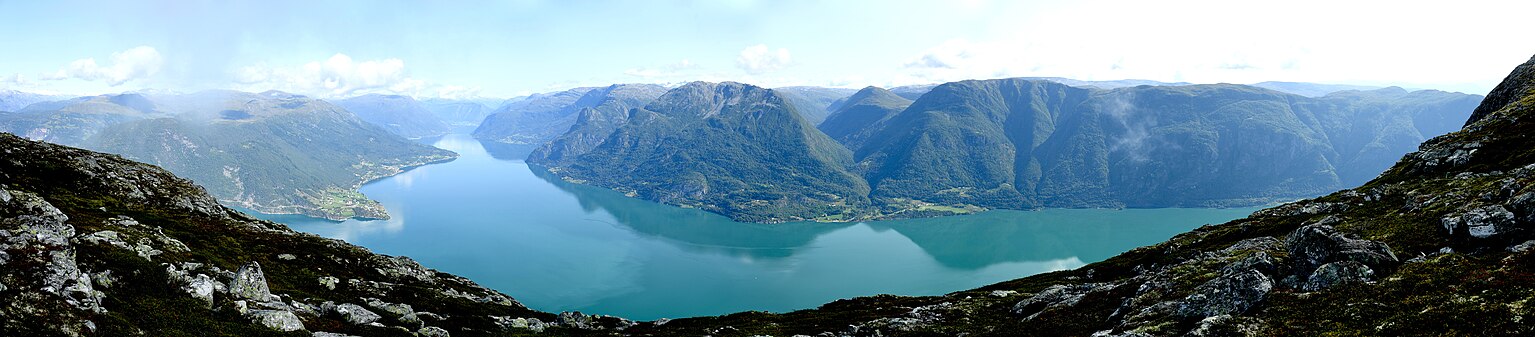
[93,244]
[1441,244]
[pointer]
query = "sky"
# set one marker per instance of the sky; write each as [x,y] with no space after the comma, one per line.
[458,49]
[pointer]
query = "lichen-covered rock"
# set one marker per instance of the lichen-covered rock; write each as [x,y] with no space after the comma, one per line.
[352,313]
[402,268]
[1520,248]
[509,323]
[432,331]
[250,283]
[1226,326]
[329,282]
[147,236]
[1111,333]
[38,252]
[576,319]
[1314,245]
[201,287]
[1338,273]
[279,320]
[1055,296]
[1228,294]
[1481,222]
[1523,206]
[393,308]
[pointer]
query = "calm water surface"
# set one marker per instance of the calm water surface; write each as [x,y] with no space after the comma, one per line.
[557,246]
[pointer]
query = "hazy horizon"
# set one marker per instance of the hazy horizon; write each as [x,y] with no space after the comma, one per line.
[508,49]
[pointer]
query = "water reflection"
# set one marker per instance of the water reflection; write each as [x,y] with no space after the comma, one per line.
[349,230]
[978,240]
[964,242]
[504,151]
[690,228]
[559,246]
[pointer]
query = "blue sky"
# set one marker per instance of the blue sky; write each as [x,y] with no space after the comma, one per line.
[508,48]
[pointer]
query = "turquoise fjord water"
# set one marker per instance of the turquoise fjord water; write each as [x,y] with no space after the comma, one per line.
[557,246]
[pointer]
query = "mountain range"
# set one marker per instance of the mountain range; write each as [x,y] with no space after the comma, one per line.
[863,113]
[1017,143]
[1298,88]
[12,100]
[534,119]
[1439,244]
[401,115]
[461,115]
[730,148]
[815,103]
[271,152]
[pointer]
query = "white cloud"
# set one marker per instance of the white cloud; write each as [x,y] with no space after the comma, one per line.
[759,59]
[669,71]
[341,76]
[457,92]
[1234,43]
[15,80]
[133,64]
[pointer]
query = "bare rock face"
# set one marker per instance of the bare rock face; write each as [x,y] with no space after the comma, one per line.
[1314,245]
[1481,222]
[279,320]
[1057,296]
[201,287]
[1231,293]
[351,313]
[249,283]
[1338,273]
[432,331]
[38,266]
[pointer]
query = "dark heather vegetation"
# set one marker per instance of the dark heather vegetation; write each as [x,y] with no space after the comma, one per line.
[728,148]
[544,117]
[1022,143]
[271,152]
[400,115]
[1438,245]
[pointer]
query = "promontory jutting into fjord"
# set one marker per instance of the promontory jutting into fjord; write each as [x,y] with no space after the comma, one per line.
[752,168]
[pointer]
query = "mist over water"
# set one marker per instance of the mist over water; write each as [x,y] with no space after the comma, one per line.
[558,246]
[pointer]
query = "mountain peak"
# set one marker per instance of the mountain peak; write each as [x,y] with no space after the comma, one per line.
[1513,88]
